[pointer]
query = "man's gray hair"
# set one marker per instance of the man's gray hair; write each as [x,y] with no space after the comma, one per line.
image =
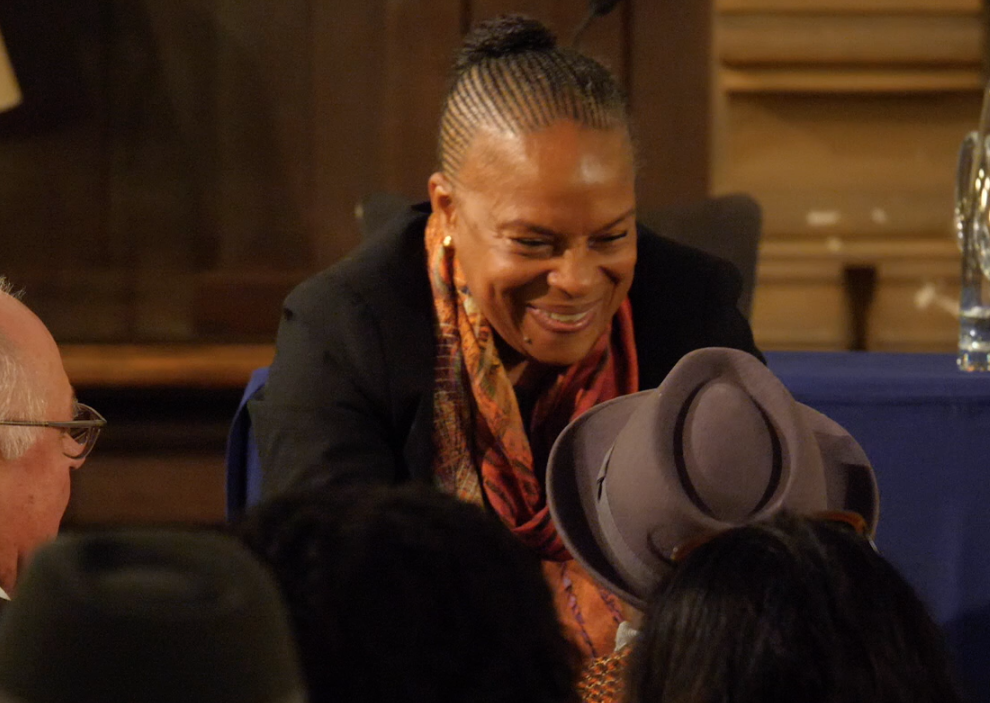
[7,288]
[20,398]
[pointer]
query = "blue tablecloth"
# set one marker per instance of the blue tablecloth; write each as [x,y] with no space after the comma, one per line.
[926,428]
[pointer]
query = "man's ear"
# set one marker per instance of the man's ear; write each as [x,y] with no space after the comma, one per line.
[441,199]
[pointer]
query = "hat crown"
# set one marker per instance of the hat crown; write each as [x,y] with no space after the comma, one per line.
[727,452]
[719,442]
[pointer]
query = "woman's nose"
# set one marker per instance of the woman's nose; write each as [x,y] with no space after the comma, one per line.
[574,274]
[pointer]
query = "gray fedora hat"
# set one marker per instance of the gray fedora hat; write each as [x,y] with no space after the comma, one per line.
[720,443]
[155,616]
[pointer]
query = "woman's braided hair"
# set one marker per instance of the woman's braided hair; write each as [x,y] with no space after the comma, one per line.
[510,76]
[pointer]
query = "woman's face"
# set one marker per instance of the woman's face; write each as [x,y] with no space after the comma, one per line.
[543,226]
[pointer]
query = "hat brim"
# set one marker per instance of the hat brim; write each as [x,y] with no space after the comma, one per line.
[581,449]
[572,474]
[850,481]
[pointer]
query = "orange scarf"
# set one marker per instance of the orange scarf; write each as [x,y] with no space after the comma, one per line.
[483,452]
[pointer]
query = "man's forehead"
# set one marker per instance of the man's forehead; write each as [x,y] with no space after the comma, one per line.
[28,334]
[17,322]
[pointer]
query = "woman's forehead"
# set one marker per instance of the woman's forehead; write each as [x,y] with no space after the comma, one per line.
[561,156]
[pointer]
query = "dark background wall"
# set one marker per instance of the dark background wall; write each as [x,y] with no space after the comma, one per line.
[176,167]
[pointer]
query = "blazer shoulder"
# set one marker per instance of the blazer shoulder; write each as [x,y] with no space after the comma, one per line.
[385,272]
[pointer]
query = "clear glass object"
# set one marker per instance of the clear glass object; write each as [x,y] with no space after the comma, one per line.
[972,222]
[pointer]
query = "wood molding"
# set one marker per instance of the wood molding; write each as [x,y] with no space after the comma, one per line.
[159,365]
[780,39]
[850,80]
[855,7]
[801,305]
[850,251]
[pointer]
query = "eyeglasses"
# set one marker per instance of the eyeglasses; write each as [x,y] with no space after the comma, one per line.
[847,517]
[78,435]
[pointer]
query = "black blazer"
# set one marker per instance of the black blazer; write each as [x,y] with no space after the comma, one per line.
[350,393]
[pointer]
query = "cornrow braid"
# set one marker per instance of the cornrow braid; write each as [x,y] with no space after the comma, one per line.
[510,76]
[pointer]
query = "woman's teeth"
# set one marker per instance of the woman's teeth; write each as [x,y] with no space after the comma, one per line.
[568,319]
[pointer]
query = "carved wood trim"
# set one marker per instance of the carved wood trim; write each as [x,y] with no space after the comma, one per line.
[850,80]
[857,7]
[216,366]
[849,40]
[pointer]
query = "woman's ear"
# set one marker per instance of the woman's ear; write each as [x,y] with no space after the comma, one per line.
[441,199]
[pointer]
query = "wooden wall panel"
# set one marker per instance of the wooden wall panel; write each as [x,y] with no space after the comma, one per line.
[263,133]
[916,304]
[348,61]
[181,146]
[670,86]
[833,46]
[800,305]
[849,39]
[261,211]
[154,196]
[844,120]
[420,42]
[841,166]
[54,206]
[85,304]
[53,174]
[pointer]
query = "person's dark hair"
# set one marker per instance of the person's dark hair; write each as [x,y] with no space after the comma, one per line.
[791,609]
[407,594]
[511,76]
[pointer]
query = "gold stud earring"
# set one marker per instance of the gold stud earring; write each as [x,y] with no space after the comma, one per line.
[447,241]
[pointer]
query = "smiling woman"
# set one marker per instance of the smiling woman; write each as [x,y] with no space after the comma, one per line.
[454,347]
[543,226]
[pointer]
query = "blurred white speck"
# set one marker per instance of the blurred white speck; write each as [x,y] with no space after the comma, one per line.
[879,216]
[833,244]
[822,218]
[931,295]
[925,296]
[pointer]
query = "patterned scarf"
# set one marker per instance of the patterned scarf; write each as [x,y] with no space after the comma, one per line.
[483,452]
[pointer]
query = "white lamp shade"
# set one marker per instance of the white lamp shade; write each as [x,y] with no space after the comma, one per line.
[10,93]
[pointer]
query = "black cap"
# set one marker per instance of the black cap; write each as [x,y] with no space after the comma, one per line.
[153,616]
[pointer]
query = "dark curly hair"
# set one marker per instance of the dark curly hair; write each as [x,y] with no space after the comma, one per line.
[511,76]
[792,609]
[406,594]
